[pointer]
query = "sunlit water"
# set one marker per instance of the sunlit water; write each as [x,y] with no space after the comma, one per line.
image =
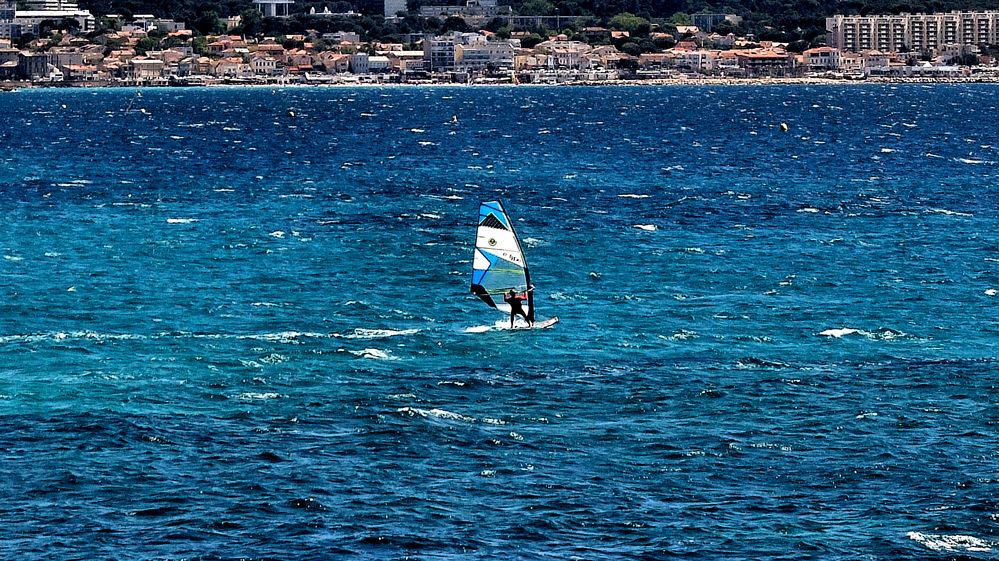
[235,324]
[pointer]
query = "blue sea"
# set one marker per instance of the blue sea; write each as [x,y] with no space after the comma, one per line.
[236,324]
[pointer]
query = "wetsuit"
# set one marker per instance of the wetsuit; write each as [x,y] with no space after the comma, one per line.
[515,307]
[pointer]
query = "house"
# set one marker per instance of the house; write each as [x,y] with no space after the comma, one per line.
[263,65]
[379,64]
[766,62]
[334,63]
[80,72]
[231,67]
[147,68]
[700,61]
[821,59]
[656,61]
[406,62]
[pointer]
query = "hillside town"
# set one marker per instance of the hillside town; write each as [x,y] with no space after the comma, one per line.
[143,50]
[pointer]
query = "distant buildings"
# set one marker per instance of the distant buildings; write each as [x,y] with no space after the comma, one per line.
[14,22]
[274,8]
[472,11]
[912,32]
[50,5]
[8,27]
[393,7]
[707,22]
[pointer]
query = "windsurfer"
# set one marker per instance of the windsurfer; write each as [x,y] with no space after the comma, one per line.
[514,300]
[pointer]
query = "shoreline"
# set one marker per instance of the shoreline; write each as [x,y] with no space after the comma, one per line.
[10,87]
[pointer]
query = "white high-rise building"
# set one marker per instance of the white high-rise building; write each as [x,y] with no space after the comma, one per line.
[51,5]
[915,32]
[274,8]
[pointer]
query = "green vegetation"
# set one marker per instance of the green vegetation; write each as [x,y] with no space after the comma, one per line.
[802,23]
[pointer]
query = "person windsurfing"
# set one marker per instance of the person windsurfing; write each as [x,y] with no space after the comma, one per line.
[515,300]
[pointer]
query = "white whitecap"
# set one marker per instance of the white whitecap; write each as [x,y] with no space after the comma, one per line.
[362,333]
[257,396]
[950,543]
[839,332]
[436,413]
[181,220]
[633,196]
[810,210]
[948,212]
[646,227]
[375,354]
[991,292]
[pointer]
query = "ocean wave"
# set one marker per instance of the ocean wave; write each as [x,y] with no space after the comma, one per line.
[840,332]
[362,333]
[633,196]
[948,212]
[883,334]
[257,396]
[646,227]
[181,220]
[279,337]
[950,543]
[374,354]
[562,296]
[681,335]
[435,413]
[69,336]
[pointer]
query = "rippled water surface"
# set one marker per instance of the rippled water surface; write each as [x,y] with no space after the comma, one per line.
[235,324]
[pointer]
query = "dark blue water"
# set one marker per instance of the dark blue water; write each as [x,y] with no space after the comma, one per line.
[235,324]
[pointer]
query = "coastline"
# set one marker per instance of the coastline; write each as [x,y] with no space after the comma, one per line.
[9,87]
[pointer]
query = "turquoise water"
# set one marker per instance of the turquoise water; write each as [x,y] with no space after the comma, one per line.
[236,324]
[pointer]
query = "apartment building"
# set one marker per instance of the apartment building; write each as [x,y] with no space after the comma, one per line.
[912,32]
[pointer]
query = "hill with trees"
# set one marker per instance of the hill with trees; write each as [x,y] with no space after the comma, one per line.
[801,22]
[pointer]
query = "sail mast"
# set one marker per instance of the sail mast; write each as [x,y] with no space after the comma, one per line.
[527,272]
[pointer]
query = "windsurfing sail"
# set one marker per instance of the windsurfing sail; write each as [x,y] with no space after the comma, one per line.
[499,264]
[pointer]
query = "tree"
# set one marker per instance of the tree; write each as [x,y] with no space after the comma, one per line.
[630,48]
[250,21]
[530,41]
[680,18]
[797,46]
[70,25]
[630,23]
[146,44]
[455,23]
[47,26]
[538,8]
[200,45]
[208,23]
